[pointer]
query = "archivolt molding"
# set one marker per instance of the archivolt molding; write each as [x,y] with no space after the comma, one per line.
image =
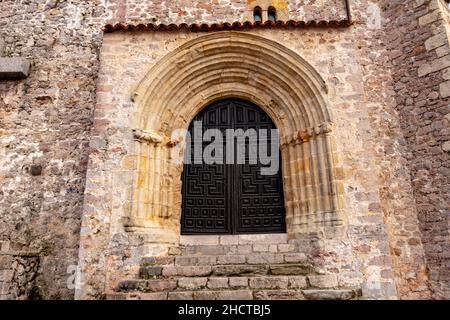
[240,65]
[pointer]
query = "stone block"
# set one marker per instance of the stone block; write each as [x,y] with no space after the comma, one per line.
[187,271]
[192,283]
[263,239]
[288,247]
[207,250]
[195,261]
[132,285]
[446,146]
[180,295]
[163,260]
[4,246]
[153,296]
[260,248]
[217,283]
[229,240]
[300,269]
[436,41]
[278,295]
[231,259]
[444,89]
[150,272]
[323,281]
[224,295]
[430,17]
[329,294]
[161,285]
[239,270]
[295,258]
[435,65]
[14,68]
[297,282]
[267,258]
[238,282]
[5,262]
[116,296]
[199,240]
[269,282]
[244,249]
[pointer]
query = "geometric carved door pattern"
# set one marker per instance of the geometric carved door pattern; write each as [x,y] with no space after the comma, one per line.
[231,198]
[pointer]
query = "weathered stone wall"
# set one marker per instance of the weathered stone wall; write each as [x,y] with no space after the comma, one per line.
[390,94]
[44,130]
[18,271]
[360,257]
[45,119]
[418,44]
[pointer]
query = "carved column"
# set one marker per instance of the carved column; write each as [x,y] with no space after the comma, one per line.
[310,186]
[152,209]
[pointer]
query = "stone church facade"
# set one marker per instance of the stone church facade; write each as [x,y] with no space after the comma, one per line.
[92,202]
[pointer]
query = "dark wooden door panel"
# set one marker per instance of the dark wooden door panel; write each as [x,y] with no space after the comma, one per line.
[232,198]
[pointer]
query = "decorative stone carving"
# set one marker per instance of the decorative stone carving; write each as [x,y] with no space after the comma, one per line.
[147,136]
[300,113]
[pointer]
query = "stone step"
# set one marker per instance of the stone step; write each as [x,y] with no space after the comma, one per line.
[277,238]
[214,283]
[171,271]
[256,282]
[340,294]
[218,259]
[234,249]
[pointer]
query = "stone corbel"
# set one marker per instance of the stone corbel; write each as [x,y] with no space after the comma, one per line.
[154,138]
[306,135]
[147,137]
[14,68]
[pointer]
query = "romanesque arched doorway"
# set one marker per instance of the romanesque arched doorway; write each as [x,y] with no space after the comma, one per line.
[232,194]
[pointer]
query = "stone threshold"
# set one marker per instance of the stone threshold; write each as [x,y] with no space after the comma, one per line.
[277,238]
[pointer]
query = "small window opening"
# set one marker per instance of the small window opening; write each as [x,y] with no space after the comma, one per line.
[257,14]
[272,14]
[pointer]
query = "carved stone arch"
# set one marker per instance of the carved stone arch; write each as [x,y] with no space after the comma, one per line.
[240,65]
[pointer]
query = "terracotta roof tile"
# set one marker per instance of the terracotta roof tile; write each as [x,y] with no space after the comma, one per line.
[225,26]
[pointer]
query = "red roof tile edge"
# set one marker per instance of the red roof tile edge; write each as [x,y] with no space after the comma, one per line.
[225,26]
